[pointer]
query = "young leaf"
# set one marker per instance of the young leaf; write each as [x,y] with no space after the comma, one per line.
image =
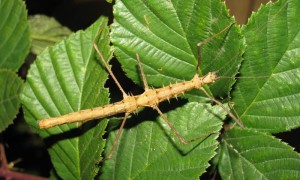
[67,77]
[9,102]
[165,35]
[14,34]
[152,151]
[270,102]
[45,31]
[247,154]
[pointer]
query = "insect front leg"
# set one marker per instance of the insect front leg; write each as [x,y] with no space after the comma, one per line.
[223,107]
[142,72]
[110,71]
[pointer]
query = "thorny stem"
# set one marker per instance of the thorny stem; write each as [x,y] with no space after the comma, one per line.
[7,173]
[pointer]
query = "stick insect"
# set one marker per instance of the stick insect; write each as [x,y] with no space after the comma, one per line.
[150,98]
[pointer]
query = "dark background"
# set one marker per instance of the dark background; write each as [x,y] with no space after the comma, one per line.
[27,148]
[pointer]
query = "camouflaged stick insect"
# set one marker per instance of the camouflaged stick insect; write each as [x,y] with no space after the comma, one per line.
[150,98]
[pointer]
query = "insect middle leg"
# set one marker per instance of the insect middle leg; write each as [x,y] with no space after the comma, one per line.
[111,152]
[223,107]
[176,132]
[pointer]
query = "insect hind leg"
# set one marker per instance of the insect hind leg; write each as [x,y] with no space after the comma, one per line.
[180,137]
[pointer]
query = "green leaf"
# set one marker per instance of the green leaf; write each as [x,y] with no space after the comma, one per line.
[165,35]
[270,102]
[65,78]
[9,102]
[14,34]
[152,151]
[247,154]
[46,31]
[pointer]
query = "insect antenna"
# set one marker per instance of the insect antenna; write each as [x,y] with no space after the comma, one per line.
[200,44]
[248,77]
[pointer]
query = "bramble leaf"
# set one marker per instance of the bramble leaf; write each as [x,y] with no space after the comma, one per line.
[45,31]
[11,86]
[165,35]
[14,34]
[151,150]
[270,102]
[246,154]
[65,78]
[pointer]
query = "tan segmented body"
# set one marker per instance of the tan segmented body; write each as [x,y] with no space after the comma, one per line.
[129,104]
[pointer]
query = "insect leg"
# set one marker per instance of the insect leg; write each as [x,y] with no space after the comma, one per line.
[223,107]
[182,139]
[234,111]
[117,137]
[109,71]
[142,72]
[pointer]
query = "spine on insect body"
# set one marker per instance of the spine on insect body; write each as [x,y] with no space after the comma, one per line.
[150,98]
[153,97]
